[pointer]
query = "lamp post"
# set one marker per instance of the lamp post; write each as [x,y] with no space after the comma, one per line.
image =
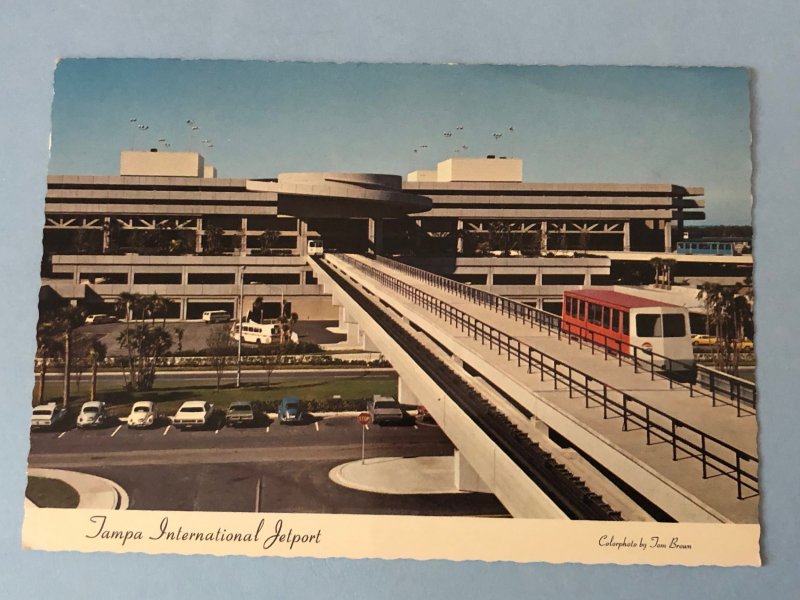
[241,324]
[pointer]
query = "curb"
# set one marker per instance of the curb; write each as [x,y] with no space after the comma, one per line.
[83,483]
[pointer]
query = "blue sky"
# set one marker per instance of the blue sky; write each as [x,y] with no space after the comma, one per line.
[579,124]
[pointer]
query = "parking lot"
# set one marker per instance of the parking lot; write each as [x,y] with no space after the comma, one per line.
[219,469]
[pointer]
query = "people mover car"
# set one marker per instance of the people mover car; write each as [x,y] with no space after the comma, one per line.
[385,409]
[291,410]
[93,414]
[143,414]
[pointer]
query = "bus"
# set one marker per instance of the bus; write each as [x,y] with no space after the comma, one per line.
[257,333]
[315,247]
[621,322]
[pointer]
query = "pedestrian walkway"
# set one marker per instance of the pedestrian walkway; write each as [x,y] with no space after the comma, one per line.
[94,492]
[397,475]
[715,492]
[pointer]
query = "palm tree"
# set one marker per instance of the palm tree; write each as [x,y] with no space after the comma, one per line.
[658,264]
[47,347]
[130,303]
[67,319]
[97,353]
[668,263]
[709,294]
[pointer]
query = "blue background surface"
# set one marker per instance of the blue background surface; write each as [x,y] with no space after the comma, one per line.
[762,36]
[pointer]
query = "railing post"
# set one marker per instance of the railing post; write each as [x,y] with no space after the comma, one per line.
[738,399]
[605,401]
[555,374]
[586,391]
[624,412]
[635,361]
[703,450]
[652,368]
[674,448]
[530,357]
[738,476]
[569,380]
[713,385]
[647,422]
[669,372]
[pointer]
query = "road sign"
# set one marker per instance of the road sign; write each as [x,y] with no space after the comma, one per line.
[364,419]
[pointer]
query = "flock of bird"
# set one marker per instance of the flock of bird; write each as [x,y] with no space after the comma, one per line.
[193,128]
[449,134]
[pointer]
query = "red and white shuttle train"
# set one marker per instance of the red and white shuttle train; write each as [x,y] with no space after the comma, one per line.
[621,321]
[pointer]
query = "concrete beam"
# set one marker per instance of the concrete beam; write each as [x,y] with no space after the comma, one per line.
[521,497]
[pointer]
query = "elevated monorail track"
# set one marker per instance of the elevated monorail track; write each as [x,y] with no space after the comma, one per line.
[566,490]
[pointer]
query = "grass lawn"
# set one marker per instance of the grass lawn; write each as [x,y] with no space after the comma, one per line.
[317,393]
[51,493]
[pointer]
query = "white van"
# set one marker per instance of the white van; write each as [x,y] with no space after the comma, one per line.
[216,316]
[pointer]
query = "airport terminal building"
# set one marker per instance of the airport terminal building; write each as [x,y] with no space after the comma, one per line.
[168,225]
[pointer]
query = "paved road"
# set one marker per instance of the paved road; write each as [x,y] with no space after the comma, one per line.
[165,469]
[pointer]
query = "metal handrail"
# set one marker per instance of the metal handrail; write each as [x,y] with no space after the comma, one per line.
[738,391]
[581,382]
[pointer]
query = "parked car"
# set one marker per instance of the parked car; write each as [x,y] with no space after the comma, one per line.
[385,409]
[100,319]
[143,414]
[704,340]
[47,416]
[193,414]
[244,413]
[291,410]
[216,316]
[93,414]
[710,340]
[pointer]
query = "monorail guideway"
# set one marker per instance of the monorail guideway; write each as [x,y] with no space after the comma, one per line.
[568,491]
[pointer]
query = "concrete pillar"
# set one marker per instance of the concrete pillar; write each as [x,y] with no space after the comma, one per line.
[375,235]
[106,233]
[465,477]
[302,237]
[404,393]
[667,236]
[183,303]
[460,236]
[243,241]
[198,237]
[626,236]
[587,278]
[544,236]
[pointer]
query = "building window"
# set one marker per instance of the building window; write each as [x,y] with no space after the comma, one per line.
[211,278]
[157,278]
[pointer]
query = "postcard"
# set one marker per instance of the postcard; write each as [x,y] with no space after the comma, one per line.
[464,312]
